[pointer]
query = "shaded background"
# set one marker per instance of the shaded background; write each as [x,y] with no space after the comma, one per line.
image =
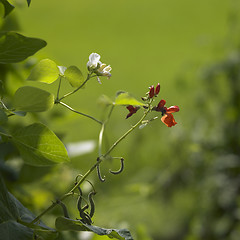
[181,182]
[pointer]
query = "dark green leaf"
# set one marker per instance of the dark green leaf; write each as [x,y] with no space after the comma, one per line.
[45,71]
[39,146]
[32,99]
[66,224]
[15,47]
[124,98]
[12,230]
[74,76]
[8,209]
[7,7]
[3,117]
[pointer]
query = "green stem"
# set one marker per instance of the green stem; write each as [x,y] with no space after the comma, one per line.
[70,93]
[71,192]
[58,91]
[73,110]
[127,133]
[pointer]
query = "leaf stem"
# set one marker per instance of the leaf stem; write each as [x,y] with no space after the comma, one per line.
[73,110]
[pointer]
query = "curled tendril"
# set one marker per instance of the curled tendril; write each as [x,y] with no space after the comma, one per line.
[64,208]
[84,215]
[102,179]
[80,175]
[92,204]
[120,169]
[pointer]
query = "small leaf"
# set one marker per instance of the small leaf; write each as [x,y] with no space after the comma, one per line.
[7,7]
[74,76]
[66,224]
[124,98]
[45,71]
[3,117]
[15,47]
[32,99]
[39,146]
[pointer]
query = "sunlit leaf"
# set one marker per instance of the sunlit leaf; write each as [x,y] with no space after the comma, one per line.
[32,99]
[74,76]
[66,224]
[45,71]
[39,146]
[7,7]
[3,117]
[124,98]
[15,47]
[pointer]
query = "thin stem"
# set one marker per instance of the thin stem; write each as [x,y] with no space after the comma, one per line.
[58,91]
[70,93]
[73,110]
[5,135]
[127,133]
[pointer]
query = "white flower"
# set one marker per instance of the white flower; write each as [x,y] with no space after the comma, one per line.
[104,70]
[93,61]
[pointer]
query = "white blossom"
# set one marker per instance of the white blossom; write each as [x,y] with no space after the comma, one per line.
[93,61]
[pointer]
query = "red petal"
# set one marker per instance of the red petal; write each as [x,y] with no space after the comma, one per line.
[161,104]
[169,120]
[172,109]
[130,108]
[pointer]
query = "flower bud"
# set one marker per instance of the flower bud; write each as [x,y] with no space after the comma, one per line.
[151,92]
[157,90]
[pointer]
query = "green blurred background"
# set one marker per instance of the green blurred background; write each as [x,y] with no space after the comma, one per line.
[181,182]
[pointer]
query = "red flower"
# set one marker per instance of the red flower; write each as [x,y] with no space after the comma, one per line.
[167,117]
[131,110]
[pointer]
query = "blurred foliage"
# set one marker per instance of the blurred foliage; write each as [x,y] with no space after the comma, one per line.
[179,183]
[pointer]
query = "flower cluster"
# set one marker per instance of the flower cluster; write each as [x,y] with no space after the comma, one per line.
[94,65]
[167,117]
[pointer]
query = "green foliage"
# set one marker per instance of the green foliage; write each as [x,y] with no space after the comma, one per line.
[7,7]
[15,47]
[32,99]
[66,224]
[124,98]
[3,117]
[74,76]
[39,146]
[45,71]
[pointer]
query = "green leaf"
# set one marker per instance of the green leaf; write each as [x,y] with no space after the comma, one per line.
[3,117]
[105,100]
[32,99]
[66,224]
[8,209]
[14,230]
[15,47]
[39,146]
[45,71]
[124,98]
[7,7]
[74,76]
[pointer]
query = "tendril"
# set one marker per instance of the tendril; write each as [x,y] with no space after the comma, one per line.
[120,169]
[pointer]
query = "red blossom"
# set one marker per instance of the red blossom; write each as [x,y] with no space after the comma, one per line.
[167,117]
[131,110]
